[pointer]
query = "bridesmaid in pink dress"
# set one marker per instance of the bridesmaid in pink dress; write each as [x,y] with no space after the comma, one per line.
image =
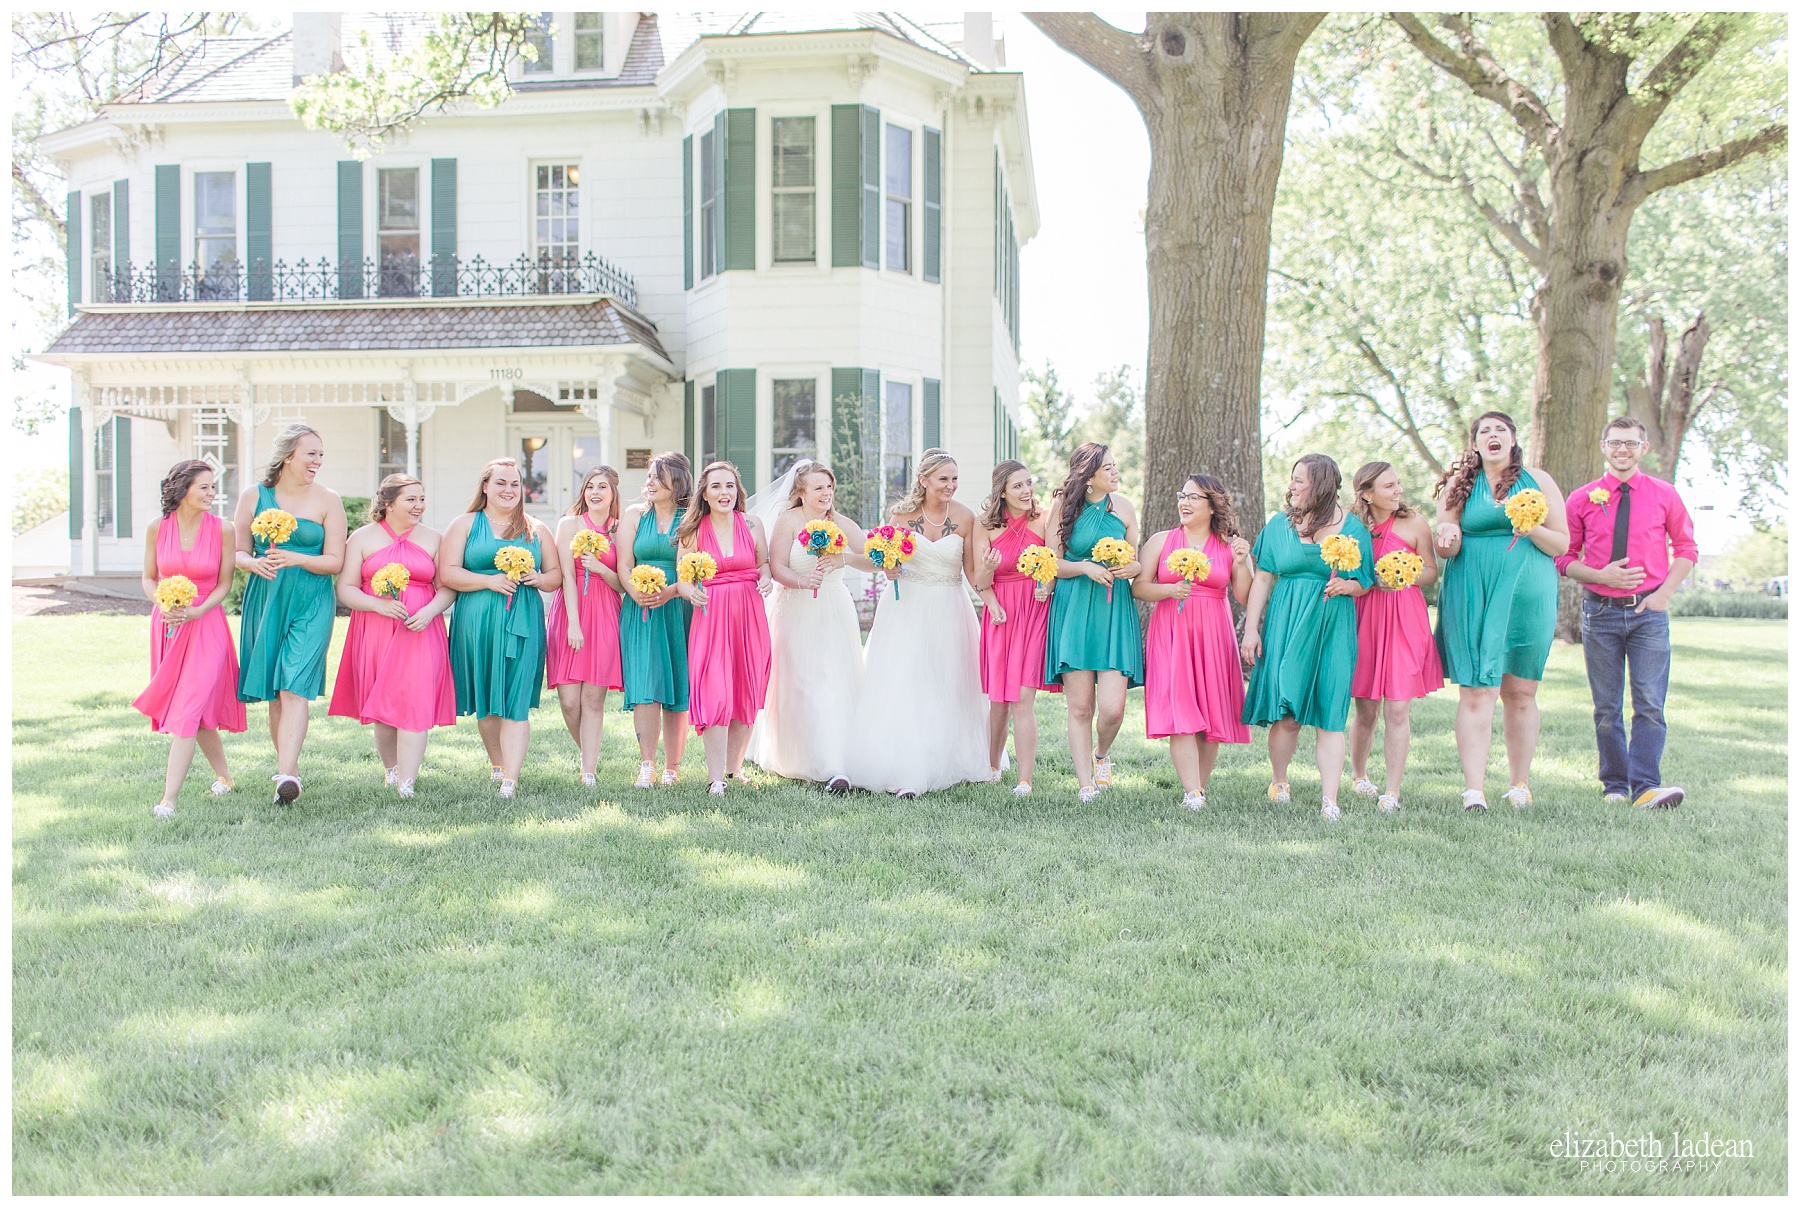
[1017,617]
[395,670]
[582,656]
[728,646]
[1193,676]
[192,694]
[1397,660]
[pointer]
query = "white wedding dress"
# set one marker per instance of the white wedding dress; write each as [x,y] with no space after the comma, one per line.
[815,679]
[922,721]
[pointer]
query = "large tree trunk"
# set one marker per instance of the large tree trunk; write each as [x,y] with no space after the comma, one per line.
[1213,89]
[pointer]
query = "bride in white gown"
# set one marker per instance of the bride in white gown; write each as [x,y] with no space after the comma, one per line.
[922,721]
[816,672]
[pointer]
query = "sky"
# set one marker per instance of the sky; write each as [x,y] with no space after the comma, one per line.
[1084,299]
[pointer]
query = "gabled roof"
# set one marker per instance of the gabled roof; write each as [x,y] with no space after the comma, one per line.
[352,328]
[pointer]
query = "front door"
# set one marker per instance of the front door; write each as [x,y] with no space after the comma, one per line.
[554,453]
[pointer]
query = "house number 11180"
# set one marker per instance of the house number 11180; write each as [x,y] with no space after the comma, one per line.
[505,375]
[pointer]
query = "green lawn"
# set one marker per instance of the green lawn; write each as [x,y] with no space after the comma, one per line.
[794,992]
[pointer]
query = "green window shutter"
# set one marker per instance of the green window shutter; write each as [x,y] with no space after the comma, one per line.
[121,228]
[443,228]
[687,246]
[687,419]
[934,415]
[846,189]
[934,203]
[121,476]
[736,403]
[871,187]
[740,188]
[75,474]
[72,249]
[168,230]
[350,228]
[259,237]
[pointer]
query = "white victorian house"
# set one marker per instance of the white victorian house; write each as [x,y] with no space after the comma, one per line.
[752,236]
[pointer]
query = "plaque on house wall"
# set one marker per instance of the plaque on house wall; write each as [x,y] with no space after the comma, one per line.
[637,459]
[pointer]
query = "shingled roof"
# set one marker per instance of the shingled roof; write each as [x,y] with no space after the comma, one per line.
[354,328]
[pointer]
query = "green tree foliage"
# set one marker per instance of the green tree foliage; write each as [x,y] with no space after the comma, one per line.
[37,496]
[1753,559]
[1056,424]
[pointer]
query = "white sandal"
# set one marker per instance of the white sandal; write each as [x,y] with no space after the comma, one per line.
[1388,803]
[221,787]
[588,780]
[1194,801]
[1474,799]
[1022,789]
[406,787]
[717,789]
[1330,811]
[1364,787]
[163,810]
[1087,795]
[508,787]
[393,777]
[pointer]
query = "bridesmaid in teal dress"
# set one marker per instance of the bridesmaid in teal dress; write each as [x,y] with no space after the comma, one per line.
[1303,657]
[284,628]
[1497,602]
[1095,645]
[497,632]
[653,629]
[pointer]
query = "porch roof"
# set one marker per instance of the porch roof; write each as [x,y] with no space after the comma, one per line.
[369,326]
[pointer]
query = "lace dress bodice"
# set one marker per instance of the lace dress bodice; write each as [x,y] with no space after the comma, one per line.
[935,563]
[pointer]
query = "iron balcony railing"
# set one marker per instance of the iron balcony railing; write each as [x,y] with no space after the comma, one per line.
[395,277]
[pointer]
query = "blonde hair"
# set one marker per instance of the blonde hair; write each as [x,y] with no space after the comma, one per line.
[803,470]
[517,522]
[285,441]
[388,491]
[915,498]
[701,508]
[580,506]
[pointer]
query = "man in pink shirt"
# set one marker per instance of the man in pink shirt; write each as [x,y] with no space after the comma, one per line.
[1631,544]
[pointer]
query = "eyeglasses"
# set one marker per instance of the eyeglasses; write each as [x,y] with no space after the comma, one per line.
[1620,446]
[1189,497]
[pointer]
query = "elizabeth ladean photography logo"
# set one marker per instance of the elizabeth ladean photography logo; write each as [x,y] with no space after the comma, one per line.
[1612,1153]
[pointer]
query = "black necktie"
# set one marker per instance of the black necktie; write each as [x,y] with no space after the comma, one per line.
[1621,522]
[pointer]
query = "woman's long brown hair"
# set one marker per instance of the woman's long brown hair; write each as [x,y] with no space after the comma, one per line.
[1224,519]
[1316,511]
[1084,463]
[516,522]
[1461,474]
[1363,480]
[180,477]
[993,508]
[580,506]
[701,508]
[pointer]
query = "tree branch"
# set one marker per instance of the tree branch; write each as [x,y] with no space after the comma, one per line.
[1477,67]
[1121,57]
[1407,425]
[1691,53]
[1511,230]
[1640,185]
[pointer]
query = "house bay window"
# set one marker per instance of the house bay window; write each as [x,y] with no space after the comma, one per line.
[897,439]
[215,234]
[794,204]
[897,176]
[397,231]
[558,227]
[795,429]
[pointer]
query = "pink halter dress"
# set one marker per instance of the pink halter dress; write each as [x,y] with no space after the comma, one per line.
[1193,676]
[1012,652]
[1396,658]
[390,674]
[728,645]
[194,674]
[597,662]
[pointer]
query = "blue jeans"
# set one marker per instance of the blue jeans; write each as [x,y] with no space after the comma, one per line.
[1613,641]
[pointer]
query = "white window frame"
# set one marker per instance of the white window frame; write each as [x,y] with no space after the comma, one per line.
[373,218]
[778,190]
[100,251]
[546,64]
[916,407]
[706,254]
[236,172]
[212,450]
[384,468]
[820,381]
[911,202]
[703,413]
[574,39]
[106,479]
[581,244]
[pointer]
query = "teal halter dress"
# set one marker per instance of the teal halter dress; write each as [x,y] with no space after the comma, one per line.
[654,650]
[496,652]
[285,627]
[1086,632]
[1496,606]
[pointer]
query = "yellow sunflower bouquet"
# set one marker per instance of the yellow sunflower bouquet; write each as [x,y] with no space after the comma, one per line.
[647,581]
[697,567]
[1188,564]
[588,541]
[515,562]
[391,580]
[1112,553]
[1398,569]
[1526,510]
[272,526]
[174,591]
[1038,562]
